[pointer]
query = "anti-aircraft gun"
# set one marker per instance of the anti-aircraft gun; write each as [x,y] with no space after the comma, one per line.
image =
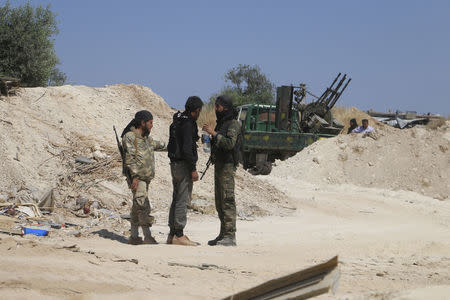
[278,132]
[316,116]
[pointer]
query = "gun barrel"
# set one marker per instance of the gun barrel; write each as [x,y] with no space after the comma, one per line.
[325,94]
[334,92]
[119,145]
[340,93]
[208,163]
[331,86]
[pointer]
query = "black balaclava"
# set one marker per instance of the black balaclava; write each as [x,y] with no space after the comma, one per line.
[142,115]
[227,103]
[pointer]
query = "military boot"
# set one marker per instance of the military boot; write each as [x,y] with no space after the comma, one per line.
[135,240]
[214,241]
[149,240]
[218,238]
[228,240]
[169,239]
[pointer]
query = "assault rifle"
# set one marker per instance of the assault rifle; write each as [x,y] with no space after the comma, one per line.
[208,163]
[125,170]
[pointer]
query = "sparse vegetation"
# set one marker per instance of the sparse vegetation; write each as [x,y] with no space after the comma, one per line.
[436,123]
[208,115]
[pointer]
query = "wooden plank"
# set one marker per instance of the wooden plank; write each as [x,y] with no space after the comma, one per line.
[313,281]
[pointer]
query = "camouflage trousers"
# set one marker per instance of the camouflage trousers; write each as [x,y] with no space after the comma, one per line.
[140,211]
[224,195]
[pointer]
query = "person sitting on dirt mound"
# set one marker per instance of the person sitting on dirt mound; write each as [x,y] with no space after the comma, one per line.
[139,150]
[364,128]
[353,125]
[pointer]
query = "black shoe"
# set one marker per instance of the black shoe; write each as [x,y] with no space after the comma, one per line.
[227,241]
[214,241]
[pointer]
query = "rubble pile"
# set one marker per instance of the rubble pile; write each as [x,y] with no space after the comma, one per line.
[62,139]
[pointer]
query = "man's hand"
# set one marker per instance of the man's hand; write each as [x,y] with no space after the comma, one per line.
[134,184]
[194,175]
[209,130]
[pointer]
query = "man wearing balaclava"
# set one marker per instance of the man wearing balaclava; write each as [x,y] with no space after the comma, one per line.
[224,137]
[139,150]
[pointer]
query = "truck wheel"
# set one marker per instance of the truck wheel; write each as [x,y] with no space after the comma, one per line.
[266,168]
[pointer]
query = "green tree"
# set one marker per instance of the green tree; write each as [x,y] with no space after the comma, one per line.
[26,44]
[246,84]
[57,78]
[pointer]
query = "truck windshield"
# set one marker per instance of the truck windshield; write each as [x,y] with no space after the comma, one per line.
[242,114]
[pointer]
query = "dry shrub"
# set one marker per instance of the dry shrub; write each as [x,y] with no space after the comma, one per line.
[207,116]
[436,123]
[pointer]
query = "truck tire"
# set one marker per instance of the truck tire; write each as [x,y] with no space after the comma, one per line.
[266,168]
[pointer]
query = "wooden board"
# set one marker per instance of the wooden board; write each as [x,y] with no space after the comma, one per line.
[9,225]
[304,284]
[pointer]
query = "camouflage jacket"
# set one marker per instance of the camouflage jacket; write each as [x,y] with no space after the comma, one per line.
[139,154]
[224,142]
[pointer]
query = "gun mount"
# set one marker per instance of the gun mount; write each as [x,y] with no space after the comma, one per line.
[315,117]
[278,132]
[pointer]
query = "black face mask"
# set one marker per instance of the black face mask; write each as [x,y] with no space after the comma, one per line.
[221,114]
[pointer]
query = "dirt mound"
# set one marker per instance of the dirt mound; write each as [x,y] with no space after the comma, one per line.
[43,131]
[345,114]
[43,124]
[415,159]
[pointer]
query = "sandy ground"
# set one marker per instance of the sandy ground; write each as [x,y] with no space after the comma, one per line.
[391,245]
[381,205]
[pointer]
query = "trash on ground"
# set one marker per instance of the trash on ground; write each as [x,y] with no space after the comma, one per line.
[47,203]
[39,230]
[84,160]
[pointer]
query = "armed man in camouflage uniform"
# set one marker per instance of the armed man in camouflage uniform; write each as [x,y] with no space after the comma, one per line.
[140,161]
[224,138]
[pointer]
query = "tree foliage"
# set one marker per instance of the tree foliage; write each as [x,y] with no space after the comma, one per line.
[246,84]
[57,78]
[26,44]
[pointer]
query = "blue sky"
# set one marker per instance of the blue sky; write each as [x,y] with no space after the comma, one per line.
[397,52]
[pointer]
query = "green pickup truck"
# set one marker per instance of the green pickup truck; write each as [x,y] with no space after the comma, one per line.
[271,132]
